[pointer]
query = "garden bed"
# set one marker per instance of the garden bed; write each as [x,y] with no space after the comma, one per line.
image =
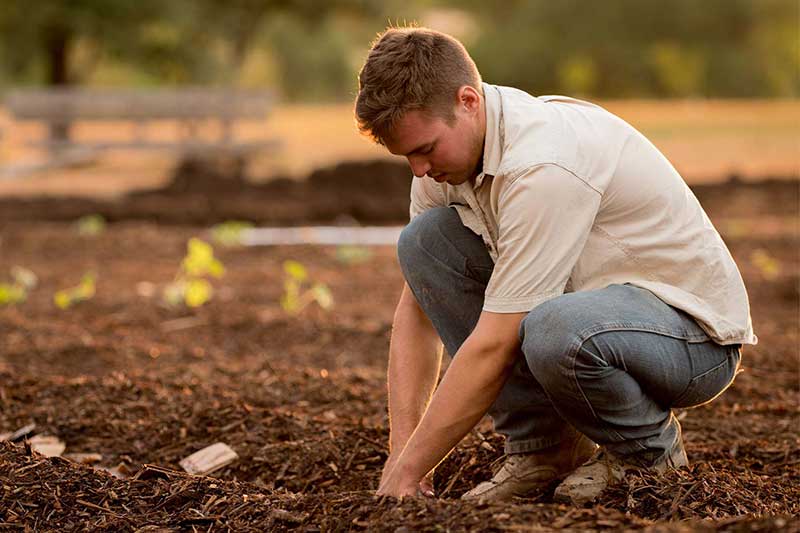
[301,398]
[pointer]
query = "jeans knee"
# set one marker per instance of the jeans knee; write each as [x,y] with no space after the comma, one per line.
[423,235]
[548,336]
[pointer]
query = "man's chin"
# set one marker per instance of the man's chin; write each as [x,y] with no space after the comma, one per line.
[456,180]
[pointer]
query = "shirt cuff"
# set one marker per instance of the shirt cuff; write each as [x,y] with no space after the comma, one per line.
[520,304]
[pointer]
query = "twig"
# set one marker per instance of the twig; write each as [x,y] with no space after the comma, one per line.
[453,480]
[679,499]
[94,506]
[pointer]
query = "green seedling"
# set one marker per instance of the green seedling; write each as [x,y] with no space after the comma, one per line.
[191,286]
[230,232]
[353,255]
[22,282]
[85,290]
[768,266]
[299,291]
[91,225]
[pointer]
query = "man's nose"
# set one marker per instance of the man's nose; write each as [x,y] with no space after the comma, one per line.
[419,166]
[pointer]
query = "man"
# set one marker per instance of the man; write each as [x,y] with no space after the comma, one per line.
[564,263]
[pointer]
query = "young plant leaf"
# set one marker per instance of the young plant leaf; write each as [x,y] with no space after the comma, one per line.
[11,294]
[323,296]
[295,270]
[173,293]
[66,298]
[62,299]
[197,292]
[229,233]
[91,225]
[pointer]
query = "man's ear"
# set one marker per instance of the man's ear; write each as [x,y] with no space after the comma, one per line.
[469,99]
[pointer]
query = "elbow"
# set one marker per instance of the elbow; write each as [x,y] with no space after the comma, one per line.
[502,352]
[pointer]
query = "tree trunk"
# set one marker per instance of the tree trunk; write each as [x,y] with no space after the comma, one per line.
[57,45]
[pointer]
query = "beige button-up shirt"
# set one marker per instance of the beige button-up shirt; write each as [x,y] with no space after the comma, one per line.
[572,198]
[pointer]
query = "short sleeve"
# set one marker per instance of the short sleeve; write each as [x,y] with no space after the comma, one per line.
[544,217]
[424,196]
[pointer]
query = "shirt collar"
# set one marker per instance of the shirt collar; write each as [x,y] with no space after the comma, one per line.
[492,144]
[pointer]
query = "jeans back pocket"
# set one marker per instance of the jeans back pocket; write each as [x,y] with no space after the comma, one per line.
[706,386]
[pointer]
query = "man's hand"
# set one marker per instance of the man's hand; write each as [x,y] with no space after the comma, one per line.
[425,485]
[472,382]
[395,483]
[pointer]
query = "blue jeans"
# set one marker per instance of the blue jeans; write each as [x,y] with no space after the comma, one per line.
[611,363]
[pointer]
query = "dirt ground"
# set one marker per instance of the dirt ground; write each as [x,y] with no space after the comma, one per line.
[301,399]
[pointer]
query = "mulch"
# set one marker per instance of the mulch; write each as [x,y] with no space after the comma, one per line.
[301,399]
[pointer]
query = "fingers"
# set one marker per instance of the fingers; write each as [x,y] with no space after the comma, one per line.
[426,488]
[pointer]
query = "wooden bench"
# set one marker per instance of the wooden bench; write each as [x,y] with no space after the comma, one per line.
[60,107]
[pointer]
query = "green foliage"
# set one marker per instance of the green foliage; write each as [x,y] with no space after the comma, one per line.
[39,41]
[640,48]
[22,282]
[229,233]
[617,48]
[299,291]
[353,255]
[768,266]
[200,260]
[11,294]
[312,62]
[85,290]
[91,225]
[191,286]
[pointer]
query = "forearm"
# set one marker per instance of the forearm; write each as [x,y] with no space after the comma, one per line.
[472,383]
[414,362]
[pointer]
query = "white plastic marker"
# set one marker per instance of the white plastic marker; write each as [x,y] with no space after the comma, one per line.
[209,459]
[335,235]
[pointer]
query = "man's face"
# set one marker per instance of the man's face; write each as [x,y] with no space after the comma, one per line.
[438,150]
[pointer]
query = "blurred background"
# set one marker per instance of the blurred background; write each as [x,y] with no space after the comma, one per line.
[713,83]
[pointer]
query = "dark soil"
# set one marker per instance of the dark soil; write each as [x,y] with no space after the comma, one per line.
[301,399]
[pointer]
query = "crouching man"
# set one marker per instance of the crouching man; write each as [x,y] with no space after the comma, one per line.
[563,261]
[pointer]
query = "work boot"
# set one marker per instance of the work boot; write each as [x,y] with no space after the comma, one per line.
[604,469]
[525,474]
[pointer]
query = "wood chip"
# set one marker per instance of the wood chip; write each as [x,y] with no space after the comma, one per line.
[209,459]
[47,445]
[182,323]
[18,434]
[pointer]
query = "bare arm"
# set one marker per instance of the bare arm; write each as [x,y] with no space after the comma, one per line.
[414,360]
[472,382]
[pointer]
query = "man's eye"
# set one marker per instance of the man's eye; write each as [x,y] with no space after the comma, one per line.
[428,150]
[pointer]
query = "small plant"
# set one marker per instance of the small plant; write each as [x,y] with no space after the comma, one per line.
[85,290]
[91,225]
[297,293]
[191,286]
[353,255]
[768,266]
[22,282]
[229,233]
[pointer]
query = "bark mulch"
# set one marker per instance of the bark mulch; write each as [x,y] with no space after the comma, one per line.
[302,400]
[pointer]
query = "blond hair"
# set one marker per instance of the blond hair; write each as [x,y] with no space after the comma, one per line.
[411,69]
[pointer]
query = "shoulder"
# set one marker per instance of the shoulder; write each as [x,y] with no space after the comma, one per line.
[572,134]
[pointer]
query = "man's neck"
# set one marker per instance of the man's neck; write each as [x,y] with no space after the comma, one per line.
[482,126]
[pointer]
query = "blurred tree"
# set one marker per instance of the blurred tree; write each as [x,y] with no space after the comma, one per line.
[46,33]
[619,48]
[614,48]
